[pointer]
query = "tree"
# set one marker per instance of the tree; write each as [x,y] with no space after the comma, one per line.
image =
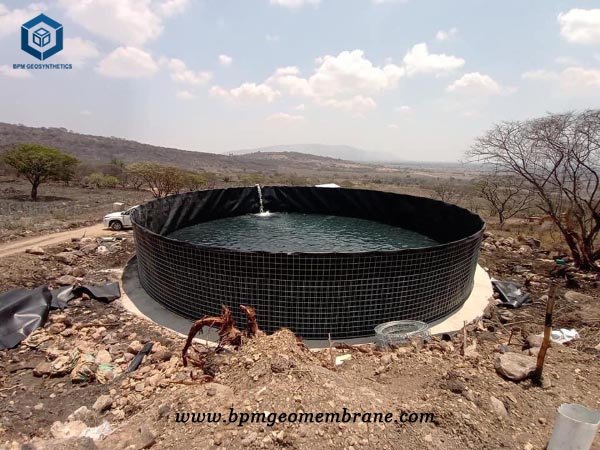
[101,181]
[165,180]
[559,157]
[446,192]
[194,181]
[40,164]
[506,196]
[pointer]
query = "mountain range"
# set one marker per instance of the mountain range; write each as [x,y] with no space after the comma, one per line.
[345,152]
[101,150]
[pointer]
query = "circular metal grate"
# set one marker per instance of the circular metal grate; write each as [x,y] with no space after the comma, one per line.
[400,331]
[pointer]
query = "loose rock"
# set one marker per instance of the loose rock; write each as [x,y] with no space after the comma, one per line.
[66,280]
[82,414]
[103,403]
[498,407]
[42,369]
[66,258]
[573,296]
[67,430]
[515,366]
[35,251]
[103,357]
[534,340]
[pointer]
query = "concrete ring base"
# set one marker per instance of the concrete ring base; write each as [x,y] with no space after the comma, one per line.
[135,299]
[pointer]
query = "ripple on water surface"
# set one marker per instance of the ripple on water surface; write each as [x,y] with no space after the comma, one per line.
[294,232]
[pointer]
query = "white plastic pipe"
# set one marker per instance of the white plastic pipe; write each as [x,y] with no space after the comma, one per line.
[575,428]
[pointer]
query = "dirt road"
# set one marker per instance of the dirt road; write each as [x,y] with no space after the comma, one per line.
[50,239]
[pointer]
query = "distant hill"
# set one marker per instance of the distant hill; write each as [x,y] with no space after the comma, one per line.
[297,159]
[101,149]
[344,152]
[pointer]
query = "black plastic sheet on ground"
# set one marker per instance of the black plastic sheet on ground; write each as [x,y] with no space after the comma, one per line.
[21,312]
[105,293]
[511,294]
[24,310]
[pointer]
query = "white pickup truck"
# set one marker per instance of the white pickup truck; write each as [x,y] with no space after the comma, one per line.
[118,220]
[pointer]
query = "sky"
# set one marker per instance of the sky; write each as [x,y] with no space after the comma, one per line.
[403,79]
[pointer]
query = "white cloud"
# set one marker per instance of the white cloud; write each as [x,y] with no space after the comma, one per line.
[357,105]
[580,26]
[392,125]
[169,8]
[285,117]
[300,107]
[225,60]
[181,74]
[578,77]
[340,82]
[475,83]
[127,22]
[446,35]
[350,72]
[566,61]
[8,71]
[404,109]
[131,22]
[294,4]
[540,74]
[345,81]
[246,92]
[78,51]
[571,78]
[272,38]
[418,60]
[128,62]
[12,19]
[85,112]
[185,95]
[289,79]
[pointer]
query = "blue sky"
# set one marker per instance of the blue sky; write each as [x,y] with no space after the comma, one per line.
[412,79]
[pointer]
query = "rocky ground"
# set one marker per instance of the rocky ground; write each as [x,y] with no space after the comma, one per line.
[69,378]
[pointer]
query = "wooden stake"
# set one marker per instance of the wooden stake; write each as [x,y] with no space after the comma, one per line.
[537,375]
[512,331]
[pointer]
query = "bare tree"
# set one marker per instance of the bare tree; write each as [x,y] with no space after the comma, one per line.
[558,155]
[446,191]
[506,196]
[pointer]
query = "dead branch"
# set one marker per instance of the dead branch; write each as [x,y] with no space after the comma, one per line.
[252,329]
[537,375]
[228,333]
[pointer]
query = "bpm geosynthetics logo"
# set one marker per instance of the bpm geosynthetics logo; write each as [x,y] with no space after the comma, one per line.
[42,37]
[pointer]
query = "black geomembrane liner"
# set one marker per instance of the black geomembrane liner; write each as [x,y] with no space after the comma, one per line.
[314,294]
